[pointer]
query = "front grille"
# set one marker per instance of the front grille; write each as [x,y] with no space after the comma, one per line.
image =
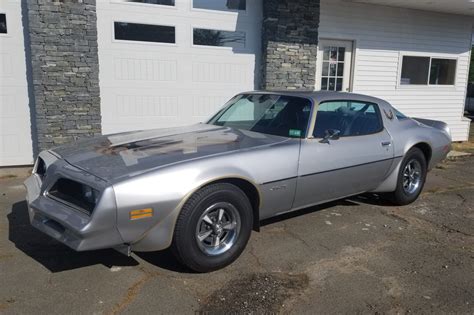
[77,195]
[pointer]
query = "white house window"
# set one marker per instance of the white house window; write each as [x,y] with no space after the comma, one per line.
[144,32]
[3,23]
[442,71]
[160,2]
[221,5]
[427,71]
[207,37]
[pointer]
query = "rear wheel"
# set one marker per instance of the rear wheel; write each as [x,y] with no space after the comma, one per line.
[213,228]
[411,177]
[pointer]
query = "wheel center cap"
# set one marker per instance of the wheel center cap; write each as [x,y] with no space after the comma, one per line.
[218,229]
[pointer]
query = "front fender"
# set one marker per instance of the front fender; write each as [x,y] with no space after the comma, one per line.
[165,191]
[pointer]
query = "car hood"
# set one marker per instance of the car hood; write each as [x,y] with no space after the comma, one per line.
[116,156]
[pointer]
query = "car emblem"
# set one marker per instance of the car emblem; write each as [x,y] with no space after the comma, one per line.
[388,113]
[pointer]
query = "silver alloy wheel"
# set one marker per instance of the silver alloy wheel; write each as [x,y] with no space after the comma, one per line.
[218,228]
[412,176]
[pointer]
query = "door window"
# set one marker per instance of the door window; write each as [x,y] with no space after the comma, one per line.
[333,70]
[351,118]
[332,76]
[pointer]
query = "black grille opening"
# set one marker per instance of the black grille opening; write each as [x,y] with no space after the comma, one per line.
[76,194]
[40,167]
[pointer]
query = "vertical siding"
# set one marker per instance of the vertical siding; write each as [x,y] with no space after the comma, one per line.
[381,34]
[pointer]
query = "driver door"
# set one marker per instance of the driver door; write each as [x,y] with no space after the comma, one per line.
[355,162]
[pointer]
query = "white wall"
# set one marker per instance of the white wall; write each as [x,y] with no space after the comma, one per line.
[15,131]
[381,34]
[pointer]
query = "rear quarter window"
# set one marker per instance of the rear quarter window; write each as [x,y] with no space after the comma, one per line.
[399,115]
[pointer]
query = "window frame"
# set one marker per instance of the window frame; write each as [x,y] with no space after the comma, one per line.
[229,12]
[6,24]
[427,85]
[139,42]
[147,5]
[377,111]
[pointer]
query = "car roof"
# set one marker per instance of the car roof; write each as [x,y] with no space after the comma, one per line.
[322,96]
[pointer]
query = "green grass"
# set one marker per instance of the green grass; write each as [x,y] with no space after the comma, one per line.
[467,146]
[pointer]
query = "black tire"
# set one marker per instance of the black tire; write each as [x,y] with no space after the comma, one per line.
[186,246]
[403,196]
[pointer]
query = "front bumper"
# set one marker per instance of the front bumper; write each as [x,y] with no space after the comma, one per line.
[69,226]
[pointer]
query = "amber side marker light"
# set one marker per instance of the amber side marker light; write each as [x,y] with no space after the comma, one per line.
[141,214]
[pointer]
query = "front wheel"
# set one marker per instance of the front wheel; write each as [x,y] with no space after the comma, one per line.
[411,178]
[213,227]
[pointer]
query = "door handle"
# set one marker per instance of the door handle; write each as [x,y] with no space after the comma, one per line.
[386,143]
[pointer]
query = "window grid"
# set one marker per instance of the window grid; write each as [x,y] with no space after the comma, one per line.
[332,77]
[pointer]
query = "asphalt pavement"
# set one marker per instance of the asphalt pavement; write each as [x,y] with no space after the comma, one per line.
[358,255]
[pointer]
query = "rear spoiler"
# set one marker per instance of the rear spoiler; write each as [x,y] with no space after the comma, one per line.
[441,125]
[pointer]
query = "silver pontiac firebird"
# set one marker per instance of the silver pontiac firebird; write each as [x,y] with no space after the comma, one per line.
[201,189]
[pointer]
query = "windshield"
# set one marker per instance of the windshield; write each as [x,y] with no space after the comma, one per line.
[278,115]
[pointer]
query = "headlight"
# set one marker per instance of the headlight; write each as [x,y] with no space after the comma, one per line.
[40,167]
[90,194]
[75,194]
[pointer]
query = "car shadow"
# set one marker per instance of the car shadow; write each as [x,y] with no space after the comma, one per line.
[373,199]
[164,259]
[57,257]
[359,200]
[53,255]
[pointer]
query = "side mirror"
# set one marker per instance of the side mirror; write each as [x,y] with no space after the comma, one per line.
[331,134]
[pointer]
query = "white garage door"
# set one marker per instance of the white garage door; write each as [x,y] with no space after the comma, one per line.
[15,131]
[166,63]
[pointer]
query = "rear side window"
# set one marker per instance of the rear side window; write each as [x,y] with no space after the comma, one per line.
[351,118]
[399,115]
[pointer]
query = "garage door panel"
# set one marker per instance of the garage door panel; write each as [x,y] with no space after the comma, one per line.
[129,106]
[6,66]
[136,111]
[15,134]
[205,104]
[151,85]
[224,73]
[142,69]
[15,129]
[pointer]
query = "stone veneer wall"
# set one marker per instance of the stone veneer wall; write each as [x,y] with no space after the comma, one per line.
[65,70]
[290,39]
